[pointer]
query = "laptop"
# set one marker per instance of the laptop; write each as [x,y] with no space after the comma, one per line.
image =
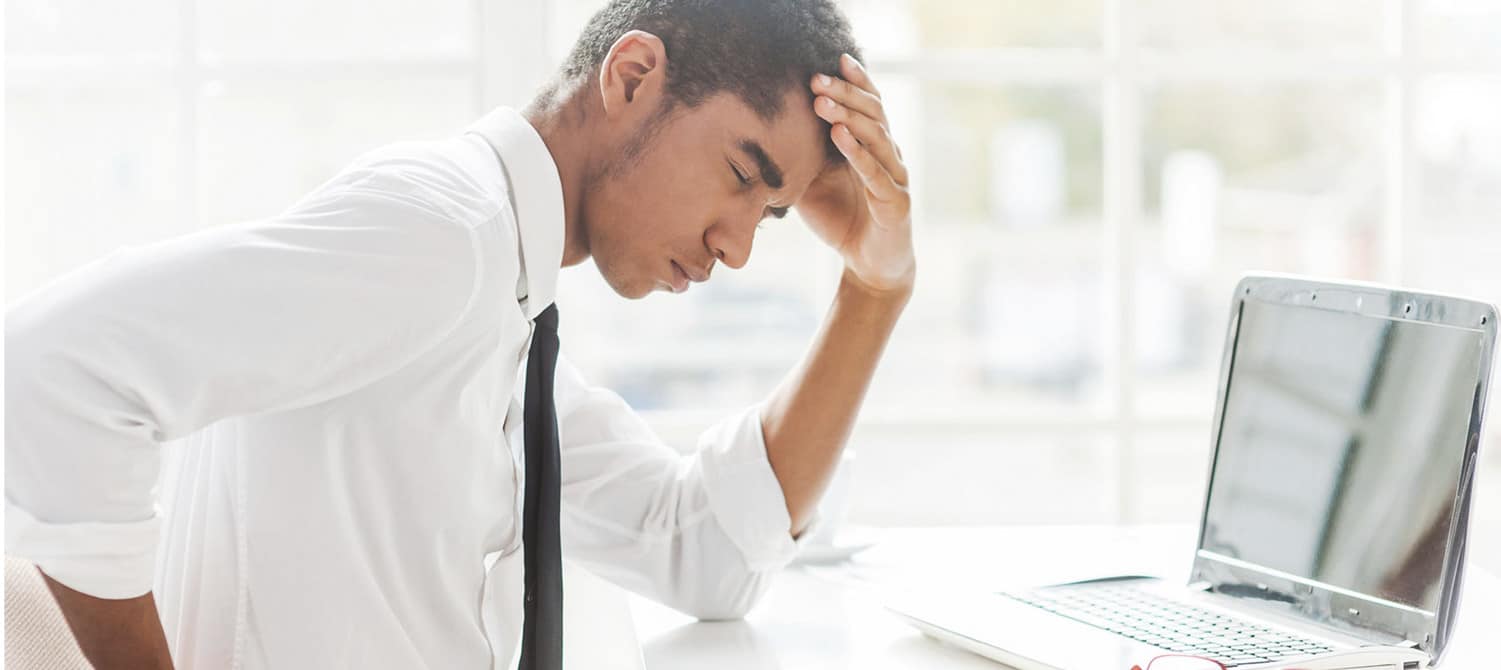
[1335,521]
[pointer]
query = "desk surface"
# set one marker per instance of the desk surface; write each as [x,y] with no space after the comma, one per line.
[832,616]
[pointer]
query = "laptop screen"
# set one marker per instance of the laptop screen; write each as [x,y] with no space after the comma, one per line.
[1340,450]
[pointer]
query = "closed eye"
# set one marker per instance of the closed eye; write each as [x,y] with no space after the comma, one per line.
[744,180]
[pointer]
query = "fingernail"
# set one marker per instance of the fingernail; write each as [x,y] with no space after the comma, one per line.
[828,103]
[826,80]
[853,62]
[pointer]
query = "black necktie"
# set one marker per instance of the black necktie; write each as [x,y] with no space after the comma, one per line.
[542,631]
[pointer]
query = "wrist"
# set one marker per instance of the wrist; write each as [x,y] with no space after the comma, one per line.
[894,291]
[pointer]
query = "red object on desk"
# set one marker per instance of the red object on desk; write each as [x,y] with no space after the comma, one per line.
[1181,662]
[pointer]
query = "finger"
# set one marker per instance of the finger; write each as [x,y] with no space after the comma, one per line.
[849,94]
[855,73]
[871,134]
[877,181]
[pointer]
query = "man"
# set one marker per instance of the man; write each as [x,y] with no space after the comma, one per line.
[351,490]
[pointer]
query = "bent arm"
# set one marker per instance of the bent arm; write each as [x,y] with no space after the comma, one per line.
[809,417]
[703,532]
[706,532]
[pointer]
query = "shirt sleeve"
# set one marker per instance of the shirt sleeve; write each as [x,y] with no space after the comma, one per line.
[152,343]
[703,532]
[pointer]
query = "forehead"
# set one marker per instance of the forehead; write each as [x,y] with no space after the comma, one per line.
[793,139]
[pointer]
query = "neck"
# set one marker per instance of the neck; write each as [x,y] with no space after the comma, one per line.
[559,116]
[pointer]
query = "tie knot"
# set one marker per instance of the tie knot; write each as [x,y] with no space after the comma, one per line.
[548,318]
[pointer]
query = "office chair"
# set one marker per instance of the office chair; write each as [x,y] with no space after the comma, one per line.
[36,635]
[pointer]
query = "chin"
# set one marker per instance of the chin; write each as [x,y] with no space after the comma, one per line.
[624,286]
[634,293]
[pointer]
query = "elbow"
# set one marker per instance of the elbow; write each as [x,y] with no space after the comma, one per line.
[730,599]
[721,611]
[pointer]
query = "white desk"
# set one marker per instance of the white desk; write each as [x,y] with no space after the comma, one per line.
[832,617]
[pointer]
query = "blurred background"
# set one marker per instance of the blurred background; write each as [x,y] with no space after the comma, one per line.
[1091,178]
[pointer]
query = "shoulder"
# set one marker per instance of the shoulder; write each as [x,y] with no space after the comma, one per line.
[445,200]
[457,179]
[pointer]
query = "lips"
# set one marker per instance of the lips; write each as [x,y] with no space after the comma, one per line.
[680,278]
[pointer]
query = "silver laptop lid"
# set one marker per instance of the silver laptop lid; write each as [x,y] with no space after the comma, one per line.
[1347,430]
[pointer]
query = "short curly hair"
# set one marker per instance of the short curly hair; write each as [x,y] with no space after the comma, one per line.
[754,49]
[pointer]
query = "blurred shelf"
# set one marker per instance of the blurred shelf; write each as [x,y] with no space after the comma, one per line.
[939,423]
[1079,240]
[1011,65]
[1064,66]
[29,72]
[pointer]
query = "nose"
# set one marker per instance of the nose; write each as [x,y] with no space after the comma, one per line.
[731,242]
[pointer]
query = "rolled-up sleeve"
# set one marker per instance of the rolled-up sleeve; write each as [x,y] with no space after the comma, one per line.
[744,492]
[155,342]
[703,532]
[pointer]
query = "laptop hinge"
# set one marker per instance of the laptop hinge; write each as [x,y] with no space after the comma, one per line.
[1200,586]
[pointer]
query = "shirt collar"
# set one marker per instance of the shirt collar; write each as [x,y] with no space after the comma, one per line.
[536,200]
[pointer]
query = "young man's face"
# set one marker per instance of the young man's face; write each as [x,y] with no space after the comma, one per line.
[671,213]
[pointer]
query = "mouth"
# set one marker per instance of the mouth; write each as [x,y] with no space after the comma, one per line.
[680,278]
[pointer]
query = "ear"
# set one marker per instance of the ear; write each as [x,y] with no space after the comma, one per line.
[634,71]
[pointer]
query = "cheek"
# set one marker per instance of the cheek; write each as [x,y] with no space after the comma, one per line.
[667,208]
[620,235]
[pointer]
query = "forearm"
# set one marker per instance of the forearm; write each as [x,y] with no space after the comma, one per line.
[809,417]
[123,633]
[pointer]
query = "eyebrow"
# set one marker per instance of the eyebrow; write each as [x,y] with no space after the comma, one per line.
[770,173]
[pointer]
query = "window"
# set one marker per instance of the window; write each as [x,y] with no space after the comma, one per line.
[129,123]
[1090,176]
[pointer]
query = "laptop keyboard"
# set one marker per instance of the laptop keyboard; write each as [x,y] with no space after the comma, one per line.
[1171,625]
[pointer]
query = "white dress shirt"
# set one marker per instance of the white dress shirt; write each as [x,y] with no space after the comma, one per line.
[341,383]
